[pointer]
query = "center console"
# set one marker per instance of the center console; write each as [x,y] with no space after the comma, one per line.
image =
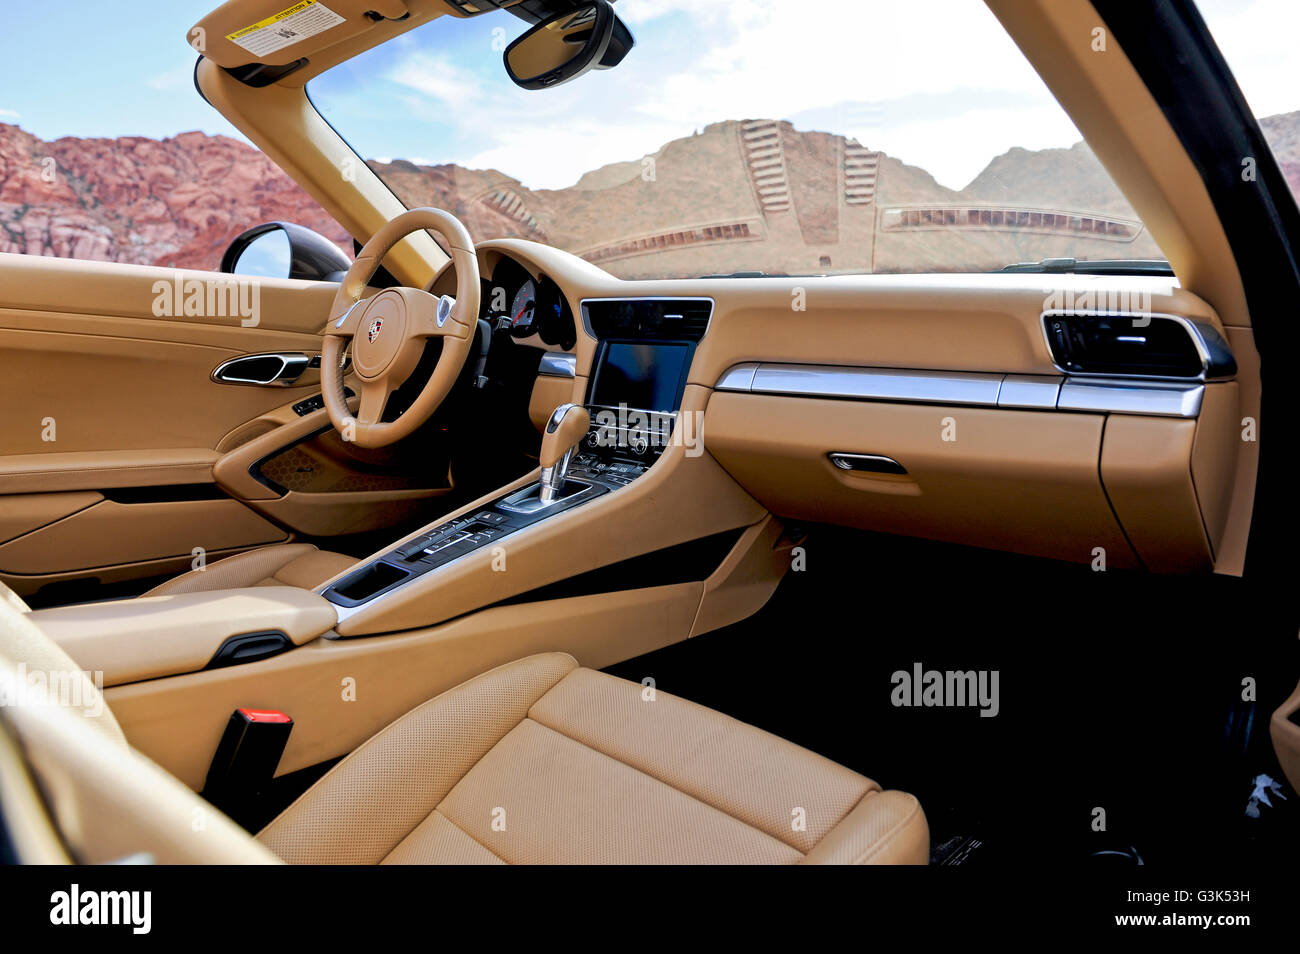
[440,545]
[643,355]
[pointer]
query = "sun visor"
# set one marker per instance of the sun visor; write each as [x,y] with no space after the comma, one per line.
[279,32]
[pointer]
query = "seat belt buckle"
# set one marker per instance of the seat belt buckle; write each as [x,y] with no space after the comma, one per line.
[246,759]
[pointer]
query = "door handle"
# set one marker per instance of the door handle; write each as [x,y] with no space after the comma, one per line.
[866,463]
[278,369]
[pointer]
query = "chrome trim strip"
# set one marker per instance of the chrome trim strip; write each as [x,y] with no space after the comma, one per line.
[1029,391]
[1217,361]
[738,377]
[344,317]
[878,384]
[513,501]
[1126,396]
[629,409]
[586,320]
[558,365]
[1023,391]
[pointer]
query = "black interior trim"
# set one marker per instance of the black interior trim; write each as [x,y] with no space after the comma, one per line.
[1172,50]
[683,563]
[255,468]
[259,75]
[167,493]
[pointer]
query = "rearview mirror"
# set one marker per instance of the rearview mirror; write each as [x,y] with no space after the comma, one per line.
[285,250]
[565,46]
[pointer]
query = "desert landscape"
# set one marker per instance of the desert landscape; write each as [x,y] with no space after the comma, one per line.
[740,195]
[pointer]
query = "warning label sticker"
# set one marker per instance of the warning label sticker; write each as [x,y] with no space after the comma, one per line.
[287,27]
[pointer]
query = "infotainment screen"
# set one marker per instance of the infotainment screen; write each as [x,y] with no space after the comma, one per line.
[641,375]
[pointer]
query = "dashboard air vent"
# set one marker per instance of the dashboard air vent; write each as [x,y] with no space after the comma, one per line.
[1127,345]
[652,319]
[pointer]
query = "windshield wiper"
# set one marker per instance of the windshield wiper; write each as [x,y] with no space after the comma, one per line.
[1113,266]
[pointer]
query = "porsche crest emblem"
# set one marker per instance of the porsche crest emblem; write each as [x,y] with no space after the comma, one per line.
[373,333]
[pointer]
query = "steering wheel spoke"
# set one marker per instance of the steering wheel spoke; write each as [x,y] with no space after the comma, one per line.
[345,325]
[374,398]
[434,316]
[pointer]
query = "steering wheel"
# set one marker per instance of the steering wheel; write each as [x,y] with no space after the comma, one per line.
[388,332]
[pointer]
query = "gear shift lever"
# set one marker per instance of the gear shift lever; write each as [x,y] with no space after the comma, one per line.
[566,428]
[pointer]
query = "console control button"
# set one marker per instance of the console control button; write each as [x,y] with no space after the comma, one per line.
[413,549]
[442,544]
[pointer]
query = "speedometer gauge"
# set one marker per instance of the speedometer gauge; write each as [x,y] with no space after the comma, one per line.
[521,309]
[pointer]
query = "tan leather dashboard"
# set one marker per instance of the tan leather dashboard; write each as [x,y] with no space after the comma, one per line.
[1080,482]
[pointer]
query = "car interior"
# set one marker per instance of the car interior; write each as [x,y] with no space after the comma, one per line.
[468,551]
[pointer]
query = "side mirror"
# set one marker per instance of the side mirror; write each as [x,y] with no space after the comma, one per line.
[565,46]
[285,250]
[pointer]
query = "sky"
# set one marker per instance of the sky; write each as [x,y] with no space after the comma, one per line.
[936,83]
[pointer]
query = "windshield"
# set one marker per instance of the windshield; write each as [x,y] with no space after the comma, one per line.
[773,137]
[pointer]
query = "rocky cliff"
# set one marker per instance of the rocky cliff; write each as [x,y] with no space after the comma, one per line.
[736,195]
[176,201]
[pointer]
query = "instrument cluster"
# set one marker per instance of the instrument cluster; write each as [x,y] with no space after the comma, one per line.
[516,302]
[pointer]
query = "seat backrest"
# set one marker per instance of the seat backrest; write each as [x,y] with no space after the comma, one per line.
[105,800]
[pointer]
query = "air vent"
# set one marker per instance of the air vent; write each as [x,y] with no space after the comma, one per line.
[652,319]
[1127,345]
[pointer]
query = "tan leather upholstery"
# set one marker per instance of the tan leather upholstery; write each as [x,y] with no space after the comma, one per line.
[108,802]
[541,762]
[288,564]
[23,644]
[154,636]
[535,762]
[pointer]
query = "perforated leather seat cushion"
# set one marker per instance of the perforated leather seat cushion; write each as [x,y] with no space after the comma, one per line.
[541,762]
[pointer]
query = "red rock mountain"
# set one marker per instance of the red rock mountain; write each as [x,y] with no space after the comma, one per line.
[176,202]
[738,195]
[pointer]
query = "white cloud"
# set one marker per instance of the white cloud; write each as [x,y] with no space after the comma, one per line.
[950,89]
[547,141]
[435,77]
[9,113]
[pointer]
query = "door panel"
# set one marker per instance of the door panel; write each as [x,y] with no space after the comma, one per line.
[111,532]
[106,394]
[84,350]
[96,470]
[22,513]
[297,471]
